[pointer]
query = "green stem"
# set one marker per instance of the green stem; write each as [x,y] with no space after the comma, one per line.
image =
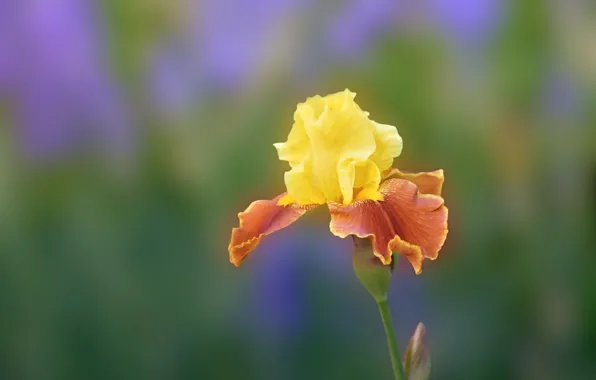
[398,369]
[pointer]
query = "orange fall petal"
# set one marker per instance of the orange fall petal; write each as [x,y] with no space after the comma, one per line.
[405,221]
[261,218]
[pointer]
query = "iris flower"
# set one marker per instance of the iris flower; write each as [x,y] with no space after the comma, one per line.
[341,158]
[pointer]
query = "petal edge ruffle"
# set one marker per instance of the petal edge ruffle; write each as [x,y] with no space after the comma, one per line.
[427,182]
[261,218]
[405,221]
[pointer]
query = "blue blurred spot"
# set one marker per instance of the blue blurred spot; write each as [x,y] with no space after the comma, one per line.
[54,73]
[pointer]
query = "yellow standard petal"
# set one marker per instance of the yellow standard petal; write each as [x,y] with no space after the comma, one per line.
[336,153]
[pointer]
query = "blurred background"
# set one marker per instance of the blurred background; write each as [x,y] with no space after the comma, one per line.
[133,131]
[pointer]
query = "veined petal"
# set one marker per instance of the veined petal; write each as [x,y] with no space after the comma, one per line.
[261,218]
[427,182]
[405,221]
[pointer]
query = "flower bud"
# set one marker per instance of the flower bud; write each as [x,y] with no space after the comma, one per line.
[417,357]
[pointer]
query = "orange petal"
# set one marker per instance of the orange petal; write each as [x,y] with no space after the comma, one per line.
[427,182]
[259,219]
[406,221]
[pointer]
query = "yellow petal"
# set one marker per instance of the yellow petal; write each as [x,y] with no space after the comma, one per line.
[335,151]
[389,145]
[302,185]
[368,179]
[346,173]
[286,200]
[297,148]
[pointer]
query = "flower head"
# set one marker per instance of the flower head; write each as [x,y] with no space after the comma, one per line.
[339,157]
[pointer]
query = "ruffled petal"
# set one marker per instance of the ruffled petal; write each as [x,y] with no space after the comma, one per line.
[405,221]
[389,145]
[259,219]
[336,153]
[427,182]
